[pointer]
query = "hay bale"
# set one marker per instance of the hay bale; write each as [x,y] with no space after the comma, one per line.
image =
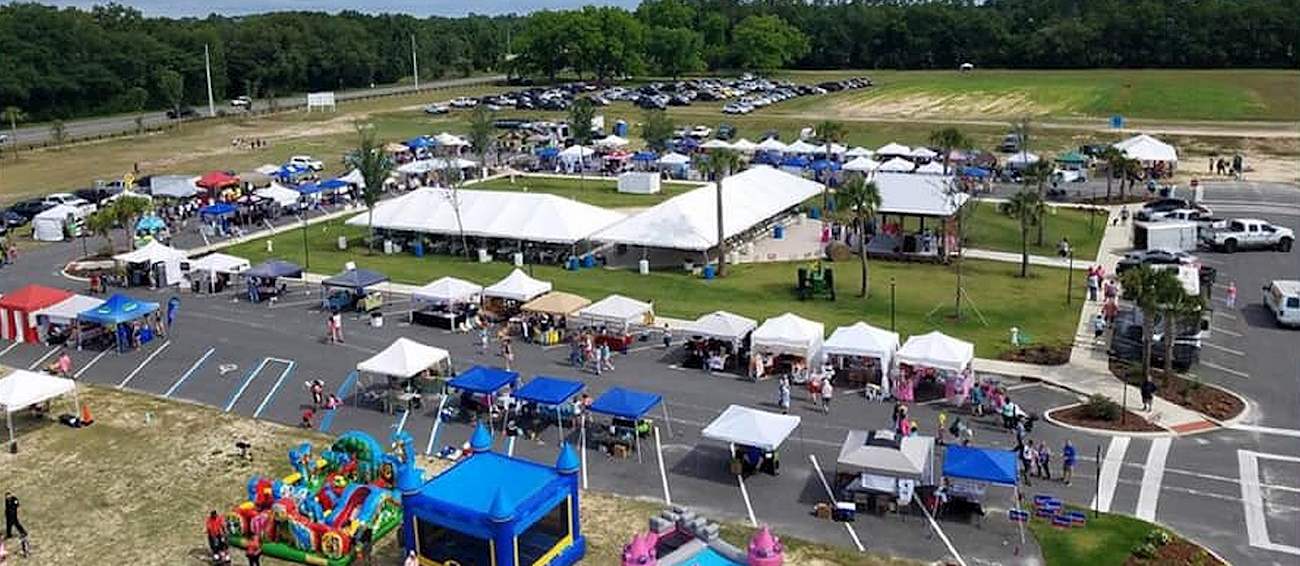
[838,251]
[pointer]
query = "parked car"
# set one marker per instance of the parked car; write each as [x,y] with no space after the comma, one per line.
[1248,233]
[241,102]
[306,161]
[1149,209]
[436,108]
[1126,340]
[1154,257]
[30,208]
[70,199]
[725,131]
[182,113]
[12,219]
[1283,300]
[700,132]
[464,102]
[1010,143]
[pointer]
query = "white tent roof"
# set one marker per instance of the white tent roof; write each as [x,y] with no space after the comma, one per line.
[267,169]
[923,153]
[723,325]
[893,148]
[611,141]
[536,217]
[937,350]
[1146,148]
[751,427]
[927,195]
[715,144]
[800,146]
[517,286]
[281,194]
[931,168]
[69,308]
[832,148]
[21,389]
[875,453]
[450,139]
[178,186]
[447,290]
[689,221]
[574,151]
[862,164]
[435,164]
[617,309]
[859,151]
[153,252]
[789,334]
[674,158]
[60,212]
[220,263]
[744,145]
[862,339]
[354,177]
[1022,158]
[771,144]
[403,358]
[896,165]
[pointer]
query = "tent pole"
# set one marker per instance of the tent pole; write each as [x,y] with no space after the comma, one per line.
[636,437]
[560,422]
[668,423]
[9,419]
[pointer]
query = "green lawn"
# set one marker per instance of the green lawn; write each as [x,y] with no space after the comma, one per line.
[990,229]
[1108,539]
[593,191]
[925,293]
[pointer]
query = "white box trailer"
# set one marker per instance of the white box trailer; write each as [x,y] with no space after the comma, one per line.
[638,183]
[1166,235]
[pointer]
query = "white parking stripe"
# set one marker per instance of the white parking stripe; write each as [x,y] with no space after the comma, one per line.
[1252,501]
[1110,467]
[1223,349]
[90,363]
[1152,476]
[1226,331]
[1227,370]
[749,507]
[1267,430]
[146,361]
[9,347]
[847,526]
[38,361]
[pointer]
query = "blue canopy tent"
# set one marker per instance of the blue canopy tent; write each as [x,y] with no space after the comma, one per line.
[647,156]
[986,465]
[795,161]
[548,152]
[116,313]
[150,224]
[821,165]
[332,184]
[550,392]
[631,405]
[974,172]
[420,142]
[355,279]
[485,381]
[218,210]
[686,145]
[261,278]
[348,290]
[309,188]
[290,173]
[767,158]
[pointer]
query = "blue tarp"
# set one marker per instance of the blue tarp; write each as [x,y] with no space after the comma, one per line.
[290,171]
[118,309]
[795,161]
[549,390]
[150,224]
[355,279]
[275,269]
[333,184]
[309,188]
[548,152]
[418,143]
[218,209]
[483,380]
[625,403]
[976,172]
[825,164]
[981,464]
[644,156]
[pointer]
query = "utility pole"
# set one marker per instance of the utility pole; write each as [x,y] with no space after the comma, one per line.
[415,64]
[207,69]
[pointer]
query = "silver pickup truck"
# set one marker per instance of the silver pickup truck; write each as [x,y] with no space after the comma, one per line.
[1247,233]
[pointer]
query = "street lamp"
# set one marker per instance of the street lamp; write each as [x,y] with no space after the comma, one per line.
[1069,277]
[892,318]
[306,253]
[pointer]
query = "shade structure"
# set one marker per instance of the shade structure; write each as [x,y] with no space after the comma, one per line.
[896,165]
[531,217]
[981,464]
[1022,160]
[862,164]
[831,149]
[155,253]
[220,263]
[174,186]
[722,325]
[218,209]
[884,453]
[771,144]
[356,279]
[574,153]
[18,311]
[923,153]
[611,141]
[52,225]
[483,380]
[744,146]
[800,147]
[333,184]
[217,180]
[275,269]
[674,159]
[21,389]
[931,168]
[150,223]
[645,156]
[354,177]
[1072,158]
[859,151]
[436,164]
[789,334]
[556,303]
[66,311]
[447,290]
[715,144]
[517,286]
[751,427]
[689,221]
[618,310]
[118,309]
[549,390]
[445,139]
[862,339]
[419,142]
[625,403]
[403,358]
[893,149]
[280,194]
[1147,149]
[937,350]
[920,195]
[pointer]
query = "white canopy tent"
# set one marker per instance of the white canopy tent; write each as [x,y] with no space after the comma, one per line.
[517,286]
[673,159]
[771,144]
[789,334]
[354,177]
[611,141]
[1022,160]
[404,358]
[893,149]
[862,164]
[21,389]
[267,169]
[923,153]
[618,310]
[800,147]
[931,168]
[937,350]
[1147,149]
[859,151]
[575,153]
[751,427]
[435,164]
[927,195]
[447,290]
[280,194]
[533,217]
[689,221]
[744,146]
[219,263]
[183,186]
[831,149]
[896,165]
[722,325]
[862,339]
[155,253]
[450,140]
[883,453]
[66,311]
[52,225]
[716,144]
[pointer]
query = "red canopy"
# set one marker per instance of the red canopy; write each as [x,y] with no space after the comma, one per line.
[217,180]
[33,298]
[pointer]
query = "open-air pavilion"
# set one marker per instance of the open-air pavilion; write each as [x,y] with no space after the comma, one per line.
[920,197]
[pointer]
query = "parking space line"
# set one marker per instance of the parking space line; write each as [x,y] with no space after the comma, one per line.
[749,507]
[1252,501]
[663,476]
[1152,476]
[328,420]
[510,447]
[1267,430]
[247,380]
[9,347]
[437,421]
[401,423]
[1223,349]
[1225,315]
[1226,331]
[146,361]
[1110,467]
[38,361]
[189,372]
[831,493]
[1231,371]
[90,363]
[278,382]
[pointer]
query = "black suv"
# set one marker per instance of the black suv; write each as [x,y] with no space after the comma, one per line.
[1126,341]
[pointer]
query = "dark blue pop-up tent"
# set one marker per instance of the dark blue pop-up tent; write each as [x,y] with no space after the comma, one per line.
[483,380]
[795,161]
[217,210]
[419,143]
[551,392]
[825,164]
[332,184]
[981,464]
[309,188]
[115,313]
[355,279]
[975,172]
[631,405]
[645,156]
[548,152]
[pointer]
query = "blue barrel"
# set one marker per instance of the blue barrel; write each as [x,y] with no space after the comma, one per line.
[620,128]
[418,248]
[709,272]
[589,260]
[778,232]
[571,264]
[830,204]
[815,213]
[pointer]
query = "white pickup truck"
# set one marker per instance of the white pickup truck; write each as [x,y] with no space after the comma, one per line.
[1248,233]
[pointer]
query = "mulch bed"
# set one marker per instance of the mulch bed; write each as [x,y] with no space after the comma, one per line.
[1078,416]
[1043,355]
[1211,401]
[1179,551]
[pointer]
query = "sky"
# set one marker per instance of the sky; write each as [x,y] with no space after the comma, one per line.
[178,8]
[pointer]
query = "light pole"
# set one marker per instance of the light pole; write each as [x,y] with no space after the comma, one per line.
[892,318]
[1069,277]
[306,251]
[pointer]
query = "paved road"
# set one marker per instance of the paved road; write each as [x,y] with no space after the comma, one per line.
[110,125]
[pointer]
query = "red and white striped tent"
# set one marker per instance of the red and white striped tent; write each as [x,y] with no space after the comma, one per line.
[18,311]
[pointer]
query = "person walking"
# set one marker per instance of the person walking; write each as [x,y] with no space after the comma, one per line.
[64,364]
[1231,298]
[1027,458]
[317,389]
[827,393]
[1094,284]
[668,337]
[338,327]
[253,551]
[1098,326]
[11,516]
[1044,460]
[783,396]
[329,329]
[508,352]
[607,356]
[1008,413]
[216,529]
[1148,394]
[482,340]
[1069,457]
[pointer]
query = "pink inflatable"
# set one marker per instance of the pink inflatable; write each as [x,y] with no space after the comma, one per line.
[641,551]
[765,549]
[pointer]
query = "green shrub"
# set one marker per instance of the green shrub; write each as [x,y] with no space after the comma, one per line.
[1145,550]
[1159,537]
[1102,408]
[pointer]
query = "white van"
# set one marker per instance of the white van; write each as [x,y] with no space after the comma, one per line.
[1283,299]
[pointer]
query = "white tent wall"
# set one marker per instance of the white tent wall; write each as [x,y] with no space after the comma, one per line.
[52,225]
[154,253]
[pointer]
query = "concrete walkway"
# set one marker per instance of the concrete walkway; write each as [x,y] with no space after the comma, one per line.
[1039,260]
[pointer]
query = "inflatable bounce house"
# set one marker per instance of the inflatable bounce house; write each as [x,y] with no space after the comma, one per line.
[317,514]
[678,537]
[490,509]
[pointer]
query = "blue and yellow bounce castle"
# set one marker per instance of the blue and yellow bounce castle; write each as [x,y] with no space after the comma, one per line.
[490,509]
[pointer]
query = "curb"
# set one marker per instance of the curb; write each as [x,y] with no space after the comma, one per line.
[1047,416]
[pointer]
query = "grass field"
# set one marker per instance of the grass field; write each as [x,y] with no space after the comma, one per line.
[924,293]
[990,229]
[1107,539]
[135,487]
[593,191]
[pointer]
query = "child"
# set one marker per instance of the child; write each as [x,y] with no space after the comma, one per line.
[307,416]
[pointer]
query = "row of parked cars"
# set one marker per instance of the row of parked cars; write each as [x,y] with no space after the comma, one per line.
[767,93]
[21,213]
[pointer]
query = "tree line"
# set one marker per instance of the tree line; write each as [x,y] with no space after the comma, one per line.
[65,63]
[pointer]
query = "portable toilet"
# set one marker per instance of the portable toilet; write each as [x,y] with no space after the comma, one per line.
[620,128]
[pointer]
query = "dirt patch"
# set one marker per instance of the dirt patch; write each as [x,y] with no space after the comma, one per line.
[1179,551]
[981,104]
[1203,398]
[1078,415]
[1043,355]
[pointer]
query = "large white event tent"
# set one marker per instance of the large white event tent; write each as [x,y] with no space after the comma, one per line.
[534,217]
[859,151]
[617,310]
[789,334]
[404,358]
[801,147]
[673,159]
[21,389]
[931,168]
[447,290]
[751,427]
[744,146]
[1147,149]
[52,225]
[923,153]
[422,166]
[716,144]
[1022,160]
[771,144]
[611,141]
[862,164]
[722,325]
[280,194]
[918,195]
[517,286]
[862,339]
[690,221]
[893,149]
[937,350]
[155,253]
[896,165]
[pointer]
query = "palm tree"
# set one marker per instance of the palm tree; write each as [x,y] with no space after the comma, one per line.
[101,223]
[1112,158]
[374,166]
[830,132]
[1027,209]
[1177,307]
[717,166]
[1129,170]
[861,200]
[1037,173]
[1149,289]
[949,139]
[480,132]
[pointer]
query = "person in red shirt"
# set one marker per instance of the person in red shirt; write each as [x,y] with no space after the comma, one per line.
[216,536]
[253,550]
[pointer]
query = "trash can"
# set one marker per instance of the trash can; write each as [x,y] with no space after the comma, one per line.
[815,213]
[589,260]
[519,259]
[343,242]
[643,266]
[571,264]
[778,232]
[709,271]
[418,248]
[620,128]
[483,256]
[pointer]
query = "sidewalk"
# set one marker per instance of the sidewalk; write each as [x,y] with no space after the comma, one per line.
[1039,260]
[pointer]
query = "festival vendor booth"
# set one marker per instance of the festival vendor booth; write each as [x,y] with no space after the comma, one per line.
[862,165]
[22,389]
[264,279]
[479,394]
[58,322]
[675,164]
[58,223]
[893,149]
[548,315]
[174,186]
[879,469]
[937,359]
[504,297]
[862,356]
[786,345]
[576,158]
[755,438]
[616,315]
[212,273]
[448,303]
[969,470]
[18,311]
[1155,156]
[546,398]
[150,228]
[627,409]
[218,217]
[896,165]
[284,197]
[412,370]
[353,289]
[154,265]
[718,341]
[120,322]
